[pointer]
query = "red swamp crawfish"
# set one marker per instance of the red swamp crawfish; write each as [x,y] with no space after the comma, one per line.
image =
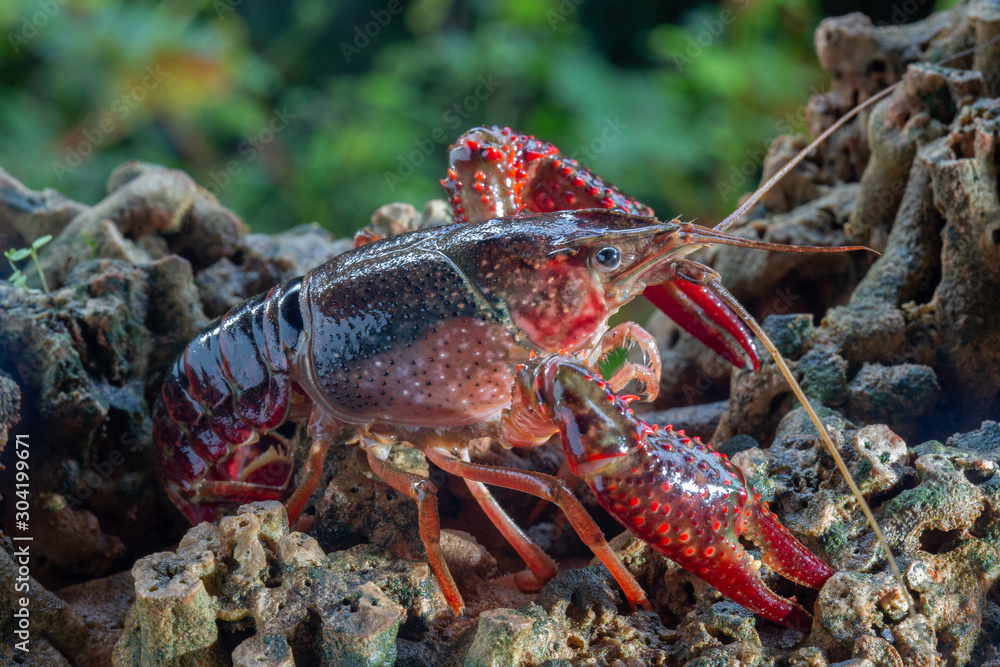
[495,328]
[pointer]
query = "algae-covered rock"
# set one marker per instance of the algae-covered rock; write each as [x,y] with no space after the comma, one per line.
[898,351]
[173,621]
[500,638]
[302,605]
[10,407]
[46,625]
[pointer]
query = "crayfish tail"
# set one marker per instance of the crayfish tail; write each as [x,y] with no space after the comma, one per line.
[221,399]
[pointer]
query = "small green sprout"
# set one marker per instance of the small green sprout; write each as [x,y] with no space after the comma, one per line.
[92,243]
[16,255]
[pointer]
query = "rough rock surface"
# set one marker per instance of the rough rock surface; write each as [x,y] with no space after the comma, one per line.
[248,592]
[900,352]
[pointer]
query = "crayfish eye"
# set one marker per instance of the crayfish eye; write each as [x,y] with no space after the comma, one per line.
[608,259]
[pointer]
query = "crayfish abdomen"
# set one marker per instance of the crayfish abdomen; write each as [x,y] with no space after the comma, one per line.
[233,382]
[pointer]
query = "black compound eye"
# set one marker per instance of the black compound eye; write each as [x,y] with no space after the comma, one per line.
[608,258]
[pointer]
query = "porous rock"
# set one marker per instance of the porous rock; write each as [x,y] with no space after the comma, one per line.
[912,342]
[936,505]
[55,630]
[250,573]
[26,215]
[10,407]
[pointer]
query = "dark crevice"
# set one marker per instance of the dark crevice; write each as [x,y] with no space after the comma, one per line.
[287,430]
[689,591]
[977,476]
[724,638]
[887,622]
[414,629]
[274,578]
[305,639]
[234,633]
[927,285]
[907,481]
[935,541]
[962,145]
[946,648]
[669,619]
[675,336]
[776,402]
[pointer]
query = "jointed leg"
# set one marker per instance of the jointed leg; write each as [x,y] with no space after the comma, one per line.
[542,567]
[323,430]
[236,492]
[425,493]
[310,476]
[625,336]
[565,474]
[199,507]
[554,491]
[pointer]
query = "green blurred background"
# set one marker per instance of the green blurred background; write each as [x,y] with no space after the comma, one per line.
[312,110]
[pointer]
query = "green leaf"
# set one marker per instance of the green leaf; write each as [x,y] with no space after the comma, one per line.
[14,276]
[40,241]
[19,254]
[612,362]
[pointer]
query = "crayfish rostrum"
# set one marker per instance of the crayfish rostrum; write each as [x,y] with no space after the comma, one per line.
[432,338]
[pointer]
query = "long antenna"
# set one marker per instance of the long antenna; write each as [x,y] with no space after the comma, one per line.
[746,206]
[731,301]
[735,305]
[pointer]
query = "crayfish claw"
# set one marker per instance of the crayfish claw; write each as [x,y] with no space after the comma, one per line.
[780,550]
[677,495]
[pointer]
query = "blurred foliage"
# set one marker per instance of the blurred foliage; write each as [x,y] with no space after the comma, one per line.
[316,110]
